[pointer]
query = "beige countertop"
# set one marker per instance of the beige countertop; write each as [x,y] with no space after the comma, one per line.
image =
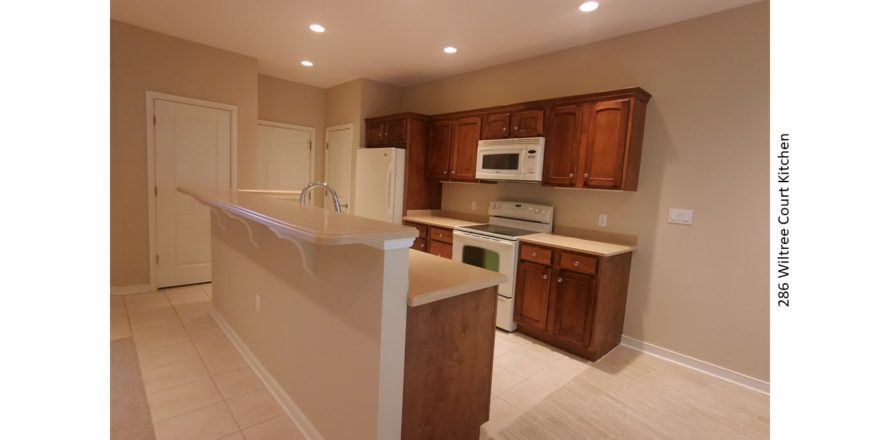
[599,248]
[433,278]
[445,222]
[314,225]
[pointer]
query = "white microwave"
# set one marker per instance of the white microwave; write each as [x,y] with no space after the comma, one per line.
[511,159]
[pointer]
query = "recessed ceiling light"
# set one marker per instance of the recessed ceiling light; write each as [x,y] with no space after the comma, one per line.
[589,6]
[450,49]
[317,28]
[307,63]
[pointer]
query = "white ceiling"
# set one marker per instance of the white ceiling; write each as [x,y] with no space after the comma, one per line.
[399,42]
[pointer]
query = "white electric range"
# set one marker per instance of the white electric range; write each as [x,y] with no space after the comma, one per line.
[495,246]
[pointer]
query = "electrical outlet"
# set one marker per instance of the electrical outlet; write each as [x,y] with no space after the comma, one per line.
[257,302]
[681,216]
[603,220]
[473,205]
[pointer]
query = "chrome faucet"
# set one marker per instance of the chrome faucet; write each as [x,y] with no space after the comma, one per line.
[326,186]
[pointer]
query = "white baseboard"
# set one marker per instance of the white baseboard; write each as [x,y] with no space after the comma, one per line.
[290,408]
[696,364]
[128,290]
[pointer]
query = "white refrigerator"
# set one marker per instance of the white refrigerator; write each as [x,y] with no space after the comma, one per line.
[378,192]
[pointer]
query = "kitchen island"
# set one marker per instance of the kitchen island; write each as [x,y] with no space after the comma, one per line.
[354,334]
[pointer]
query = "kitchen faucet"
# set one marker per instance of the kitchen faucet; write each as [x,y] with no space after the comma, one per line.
[326,186]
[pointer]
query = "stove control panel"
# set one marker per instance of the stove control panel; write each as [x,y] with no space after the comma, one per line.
[522,211]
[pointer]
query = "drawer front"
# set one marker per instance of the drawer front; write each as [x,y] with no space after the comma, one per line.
[441,234]
[535,254]
[578,263]
[423,229]
[420,244]
[441,249]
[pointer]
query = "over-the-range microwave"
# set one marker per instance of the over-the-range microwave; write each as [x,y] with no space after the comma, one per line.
[511,159]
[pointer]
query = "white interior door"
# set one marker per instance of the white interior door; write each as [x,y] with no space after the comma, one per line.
[338,164]
[193,147]
[284,156]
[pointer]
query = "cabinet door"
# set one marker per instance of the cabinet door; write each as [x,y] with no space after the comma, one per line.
[562,144]
[440,249]
[606,125]
[465,135]
[532,300]
[573,305]
[375,133]
[439,149]
[495,126]
[527,123]
[395,131]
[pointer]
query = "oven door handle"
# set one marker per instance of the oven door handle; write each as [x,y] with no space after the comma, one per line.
[482,237]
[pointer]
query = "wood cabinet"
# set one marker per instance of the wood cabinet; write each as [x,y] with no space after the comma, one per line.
[591,141]
[439,149]
[561,146]
[386,132]
[527,123]
[571,300]
[440,241]
[465,135]
[496,126]
[421,242]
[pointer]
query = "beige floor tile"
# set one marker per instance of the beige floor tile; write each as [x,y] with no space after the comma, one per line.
[189,312]
[185,398]
[236,436]
[149,315]
[524,395]
[209,290]
[145,326]
[119,330]
[279,428]
[501,414]
[502,347]
[554,376]
[186,295]
[203,327]
[224,361]
[209,423]
[521,364]
[253,408]
[167,355]
[145,302]
[170,376]
[503,380]
[237,382]
[159,337]
[212,345]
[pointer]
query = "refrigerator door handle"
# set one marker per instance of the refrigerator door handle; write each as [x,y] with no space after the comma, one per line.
[389,182]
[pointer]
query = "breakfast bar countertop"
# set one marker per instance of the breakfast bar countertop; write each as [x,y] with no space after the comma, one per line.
[433,278]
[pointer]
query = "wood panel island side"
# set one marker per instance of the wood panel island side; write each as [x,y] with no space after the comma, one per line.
[355,335]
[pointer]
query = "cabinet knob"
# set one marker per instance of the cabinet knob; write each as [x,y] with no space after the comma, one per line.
[516,127]
[534,254]
[559,280]
[453,171]
[422,245]
[570,175]
[505,128]
[545,276]
[577,263]
[444,171]
[586,175]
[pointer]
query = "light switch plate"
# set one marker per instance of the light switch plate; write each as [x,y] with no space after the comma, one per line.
[681,216]
[603,220]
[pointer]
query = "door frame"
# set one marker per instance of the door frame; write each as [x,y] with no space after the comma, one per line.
[353,147]
[151,96]
[311,131]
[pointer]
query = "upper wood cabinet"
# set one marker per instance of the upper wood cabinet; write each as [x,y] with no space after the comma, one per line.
[465,135]
[610,159]
[561,146]
[496,126]
[439,149]
[383,132]
[527,123]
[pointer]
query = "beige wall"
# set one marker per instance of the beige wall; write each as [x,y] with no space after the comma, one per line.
[142,60]
[294,103]
[699,290]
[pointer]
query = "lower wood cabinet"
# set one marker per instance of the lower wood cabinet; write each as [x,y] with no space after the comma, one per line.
[432,239]
[570,300]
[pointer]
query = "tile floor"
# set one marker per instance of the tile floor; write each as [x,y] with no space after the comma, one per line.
[198,386]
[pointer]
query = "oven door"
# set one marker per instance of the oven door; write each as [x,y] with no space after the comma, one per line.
[490,253]
[505,163]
